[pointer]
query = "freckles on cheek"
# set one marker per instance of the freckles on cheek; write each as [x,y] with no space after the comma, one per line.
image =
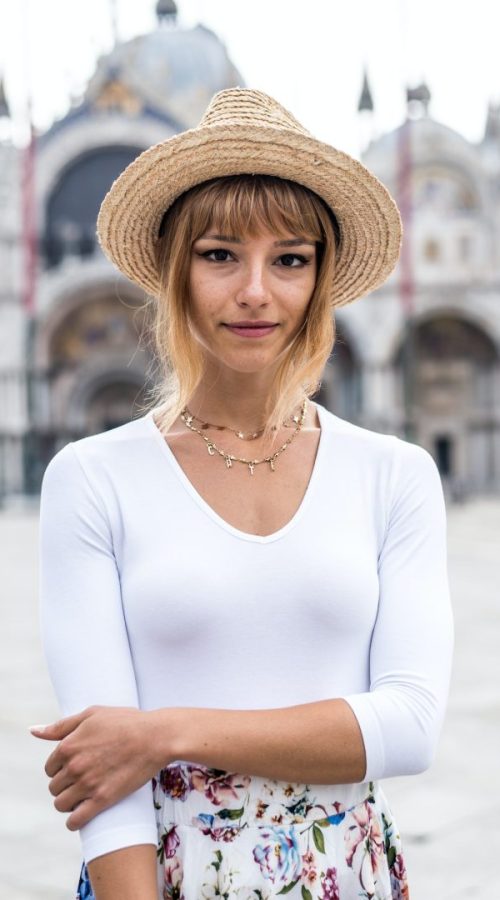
[204,314]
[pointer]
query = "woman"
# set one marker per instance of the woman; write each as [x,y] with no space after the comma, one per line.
[244,597]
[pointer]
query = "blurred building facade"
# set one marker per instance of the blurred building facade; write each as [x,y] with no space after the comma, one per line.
[79,366]
[420,357]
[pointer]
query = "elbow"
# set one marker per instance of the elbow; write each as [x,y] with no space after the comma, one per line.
[420,757]
[411,754]
[418,749]
[400,727]
[410,733]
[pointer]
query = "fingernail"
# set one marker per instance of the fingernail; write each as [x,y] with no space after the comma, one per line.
[37,727]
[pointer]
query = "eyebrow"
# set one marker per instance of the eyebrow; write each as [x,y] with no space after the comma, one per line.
[230,239]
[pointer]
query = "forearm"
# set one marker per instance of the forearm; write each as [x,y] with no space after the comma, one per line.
[316,743]
[128,873]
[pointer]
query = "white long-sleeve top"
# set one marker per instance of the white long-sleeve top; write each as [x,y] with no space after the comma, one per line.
[149,598]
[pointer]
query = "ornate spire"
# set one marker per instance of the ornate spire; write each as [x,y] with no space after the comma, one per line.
[166,11]
[492,129]
[366,99]
[418,99]
[4,106]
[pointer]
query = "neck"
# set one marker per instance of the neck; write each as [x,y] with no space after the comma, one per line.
[239,401]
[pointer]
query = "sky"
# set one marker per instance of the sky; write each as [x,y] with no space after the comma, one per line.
[308,54]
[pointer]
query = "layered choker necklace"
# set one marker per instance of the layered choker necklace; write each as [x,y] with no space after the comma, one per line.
[296,423]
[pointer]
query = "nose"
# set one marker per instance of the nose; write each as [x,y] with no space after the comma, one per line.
[253,289]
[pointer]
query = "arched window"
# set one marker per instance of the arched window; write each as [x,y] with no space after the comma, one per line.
[74,203]
[432,250]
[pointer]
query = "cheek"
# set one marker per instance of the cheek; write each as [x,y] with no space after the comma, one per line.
[203,310]
[299,293]
[200,298]
[205,292]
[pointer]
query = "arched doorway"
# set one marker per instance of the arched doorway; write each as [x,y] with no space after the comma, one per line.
[454,370]
[98,356]
[98,323]
[111,401]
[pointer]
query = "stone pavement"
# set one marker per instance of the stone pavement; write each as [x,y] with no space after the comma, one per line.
[448,816]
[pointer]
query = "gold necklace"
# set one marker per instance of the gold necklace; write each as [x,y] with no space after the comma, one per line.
[212,447]
[243,435]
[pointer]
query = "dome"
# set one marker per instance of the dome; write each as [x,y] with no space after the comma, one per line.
[166,9]
[173,70]
[430,140]
[440,157]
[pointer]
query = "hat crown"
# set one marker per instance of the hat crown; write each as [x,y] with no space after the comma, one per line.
[245,131]
[249,107]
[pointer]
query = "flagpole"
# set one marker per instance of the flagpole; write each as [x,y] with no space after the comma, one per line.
[405,202]
[29,264]
[406,275]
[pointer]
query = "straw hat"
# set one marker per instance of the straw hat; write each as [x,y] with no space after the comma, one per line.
[247,132]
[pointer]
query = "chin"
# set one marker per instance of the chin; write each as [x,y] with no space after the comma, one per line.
[246,360]
[250,369]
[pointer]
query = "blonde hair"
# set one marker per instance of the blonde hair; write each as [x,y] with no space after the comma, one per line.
[241,205]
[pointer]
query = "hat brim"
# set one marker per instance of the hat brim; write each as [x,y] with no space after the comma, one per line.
[131,213]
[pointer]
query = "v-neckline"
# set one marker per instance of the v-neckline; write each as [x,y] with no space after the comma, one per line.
[218,519]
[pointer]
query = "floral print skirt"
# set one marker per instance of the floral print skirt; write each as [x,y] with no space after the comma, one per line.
[240,837]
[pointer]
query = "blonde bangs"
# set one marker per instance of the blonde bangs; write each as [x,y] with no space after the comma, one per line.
[241,206]
[246,205]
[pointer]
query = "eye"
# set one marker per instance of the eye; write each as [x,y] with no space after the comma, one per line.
[217,255]
[293,260]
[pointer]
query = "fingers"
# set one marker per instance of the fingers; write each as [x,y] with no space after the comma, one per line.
[84,812]
[54,763]
[63,757]
[71,786]
[82,804]
[61,782]
[63,731]
[69,799]
[56,731]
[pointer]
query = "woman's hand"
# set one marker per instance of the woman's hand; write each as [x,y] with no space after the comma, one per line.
[104,754]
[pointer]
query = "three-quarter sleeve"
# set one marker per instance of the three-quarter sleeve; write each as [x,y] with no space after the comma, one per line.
[411,647]
[83,628]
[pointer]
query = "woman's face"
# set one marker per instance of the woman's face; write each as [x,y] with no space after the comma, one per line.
[249,295]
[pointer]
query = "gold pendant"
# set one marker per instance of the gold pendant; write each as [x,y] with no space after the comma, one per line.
[210,449]
[229,462]
[251,466]
[271,463]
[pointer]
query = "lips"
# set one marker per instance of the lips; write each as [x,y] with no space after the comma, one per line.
[252,330]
